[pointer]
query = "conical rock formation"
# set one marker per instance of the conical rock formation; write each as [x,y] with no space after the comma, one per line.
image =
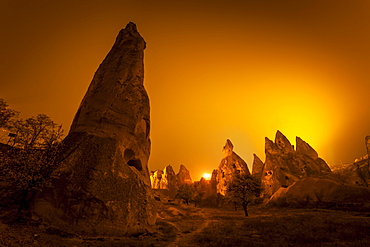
[229,165]
[257,167]
[103,185]
[183,177]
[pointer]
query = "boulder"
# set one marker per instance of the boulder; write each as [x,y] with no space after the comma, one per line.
[355,173]
[319,191]
[102,184]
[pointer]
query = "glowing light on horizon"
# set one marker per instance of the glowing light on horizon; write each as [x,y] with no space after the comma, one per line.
[207,176]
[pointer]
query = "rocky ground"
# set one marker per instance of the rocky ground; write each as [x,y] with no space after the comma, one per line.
[186,225]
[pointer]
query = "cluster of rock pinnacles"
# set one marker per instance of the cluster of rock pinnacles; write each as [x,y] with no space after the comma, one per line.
[102,183]
[297,174]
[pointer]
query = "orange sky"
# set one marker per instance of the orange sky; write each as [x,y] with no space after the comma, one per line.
[215,70]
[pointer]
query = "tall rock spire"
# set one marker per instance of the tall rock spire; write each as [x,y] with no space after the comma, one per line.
[230,165]
[103,185]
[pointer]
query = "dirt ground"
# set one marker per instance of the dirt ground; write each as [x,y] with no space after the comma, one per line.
[186,225]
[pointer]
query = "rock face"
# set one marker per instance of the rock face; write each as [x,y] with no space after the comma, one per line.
[257,167]
[183,177]
[284,165]
[169,181]
[103,184]
[315,190]
[155,179]
[355,173]
[166,182]
[230,164]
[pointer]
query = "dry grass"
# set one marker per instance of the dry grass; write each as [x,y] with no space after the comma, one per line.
[287,227]
[181,225]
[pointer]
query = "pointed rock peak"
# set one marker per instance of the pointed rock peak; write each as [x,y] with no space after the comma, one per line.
[269,145]
[182,168]
[131,27]
[283,142]
[229,145]
[257,166]
[256,158]
[169,169]
[184,175]
[305,149]
[228,148]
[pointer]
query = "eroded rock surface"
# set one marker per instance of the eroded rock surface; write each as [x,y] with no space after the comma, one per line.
[284,165]
[183,177]
[230,165]
[155,179]
[315,190]
[257,167]
[355,173]
[102,185]
[169,181]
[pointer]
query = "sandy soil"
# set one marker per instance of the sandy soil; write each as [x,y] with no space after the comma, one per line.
[177,225]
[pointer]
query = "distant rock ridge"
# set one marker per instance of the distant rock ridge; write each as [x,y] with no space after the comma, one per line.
[102,185]
[284,165]
[167,180]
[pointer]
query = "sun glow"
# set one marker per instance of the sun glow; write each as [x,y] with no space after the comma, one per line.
[207,176]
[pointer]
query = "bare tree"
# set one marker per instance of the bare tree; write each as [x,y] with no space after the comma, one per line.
[6,113]
[242,189]
[186,192]
[38,132]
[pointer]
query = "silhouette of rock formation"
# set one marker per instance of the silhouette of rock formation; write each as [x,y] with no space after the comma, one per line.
[166,182]
[103,185]
[183,177]
[257,167]
[230,164]
[284,165]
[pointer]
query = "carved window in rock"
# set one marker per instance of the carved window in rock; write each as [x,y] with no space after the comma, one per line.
[268,173]
[234,166]
[136,163]
[130,156]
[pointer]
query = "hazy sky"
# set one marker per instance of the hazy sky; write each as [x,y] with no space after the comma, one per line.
[214,70]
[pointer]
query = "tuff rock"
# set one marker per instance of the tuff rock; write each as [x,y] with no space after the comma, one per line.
[166,182]
[155,179]
[316,190]
[169,181]
[229,165]
[355,173]
[284,165]
[183,177]
[102,185]
[257,167]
